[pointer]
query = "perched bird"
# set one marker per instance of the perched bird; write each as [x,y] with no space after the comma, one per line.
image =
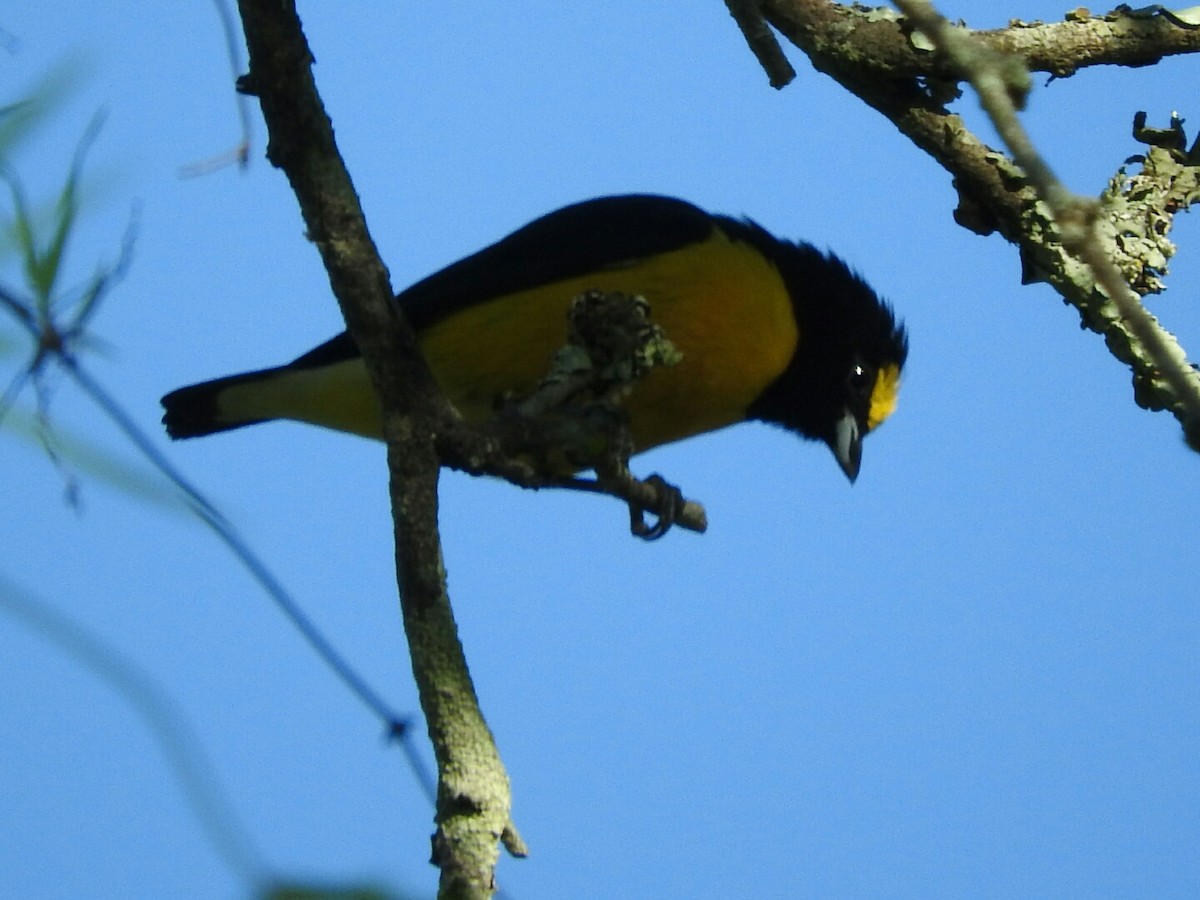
[769,330]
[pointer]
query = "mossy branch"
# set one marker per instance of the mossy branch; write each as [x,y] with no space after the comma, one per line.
[575,419]
[909,70]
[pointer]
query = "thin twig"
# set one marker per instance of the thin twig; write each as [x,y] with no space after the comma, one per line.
[239,152]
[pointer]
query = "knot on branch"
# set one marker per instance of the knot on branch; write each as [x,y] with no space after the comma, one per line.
[574,419]
[611,345]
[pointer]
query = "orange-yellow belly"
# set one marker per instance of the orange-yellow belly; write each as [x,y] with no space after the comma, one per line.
[722,304]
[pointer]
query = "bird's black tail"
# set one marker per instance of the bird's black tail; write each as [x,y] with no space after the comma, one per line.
[197,410]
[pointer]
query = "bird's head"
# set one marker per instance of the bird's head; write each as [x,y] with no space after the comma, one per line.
[844,377]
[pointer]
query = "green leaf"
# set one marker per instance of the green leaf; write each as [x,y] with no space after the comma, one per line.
[66,213]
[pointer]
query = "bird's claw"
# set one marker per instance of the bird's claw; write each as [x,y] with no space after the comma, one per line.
[666,507]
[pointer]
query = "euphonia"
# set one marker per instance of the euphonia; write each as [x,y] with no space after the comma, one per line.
[768,329]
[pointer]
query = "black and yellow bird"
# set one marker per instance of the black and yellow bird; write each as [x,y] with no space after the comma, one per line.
[769,330]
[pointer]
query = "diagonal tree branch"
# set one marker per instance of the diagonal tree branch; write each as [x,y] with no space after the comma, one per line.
[473,789]
[875,55]
[1001,82]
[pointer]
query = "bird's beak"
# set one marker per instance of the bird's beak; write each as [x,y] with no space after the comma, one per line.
[847,445]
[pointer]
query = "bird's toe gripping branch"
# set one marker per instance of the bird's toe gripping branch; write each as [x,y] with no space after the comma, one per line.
[669,507]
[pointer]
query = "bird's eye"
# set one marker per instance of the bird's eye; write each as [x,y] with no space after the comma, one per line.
[861,380]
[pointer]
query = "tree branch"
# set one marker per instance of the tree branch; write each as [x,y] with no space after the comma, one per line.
[1123,37]
[1001,82]
[473,789]
[877,56]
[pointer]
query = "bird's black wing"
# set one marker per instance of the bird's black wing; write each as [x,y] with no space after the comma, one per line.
[586,237]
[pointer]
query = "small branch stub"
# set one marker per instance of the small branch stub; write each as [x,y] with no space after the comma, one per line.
[762,41]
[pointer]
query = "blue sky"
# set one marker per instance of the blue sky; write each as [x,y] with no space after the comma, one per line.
[972,674]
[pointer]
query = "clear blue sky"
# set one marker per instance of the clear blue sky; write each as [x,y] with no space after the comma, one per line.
[975,673]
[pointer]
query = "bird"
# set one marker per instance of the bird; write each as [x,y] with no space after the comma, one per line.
[769,330]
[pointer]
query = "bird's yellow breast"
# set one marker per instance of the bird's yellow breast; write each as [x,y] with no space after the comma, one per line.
[721,303]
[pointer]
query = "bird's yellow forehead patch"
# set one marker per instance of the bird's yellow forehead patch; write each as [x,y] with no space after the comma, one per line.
[883,396]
